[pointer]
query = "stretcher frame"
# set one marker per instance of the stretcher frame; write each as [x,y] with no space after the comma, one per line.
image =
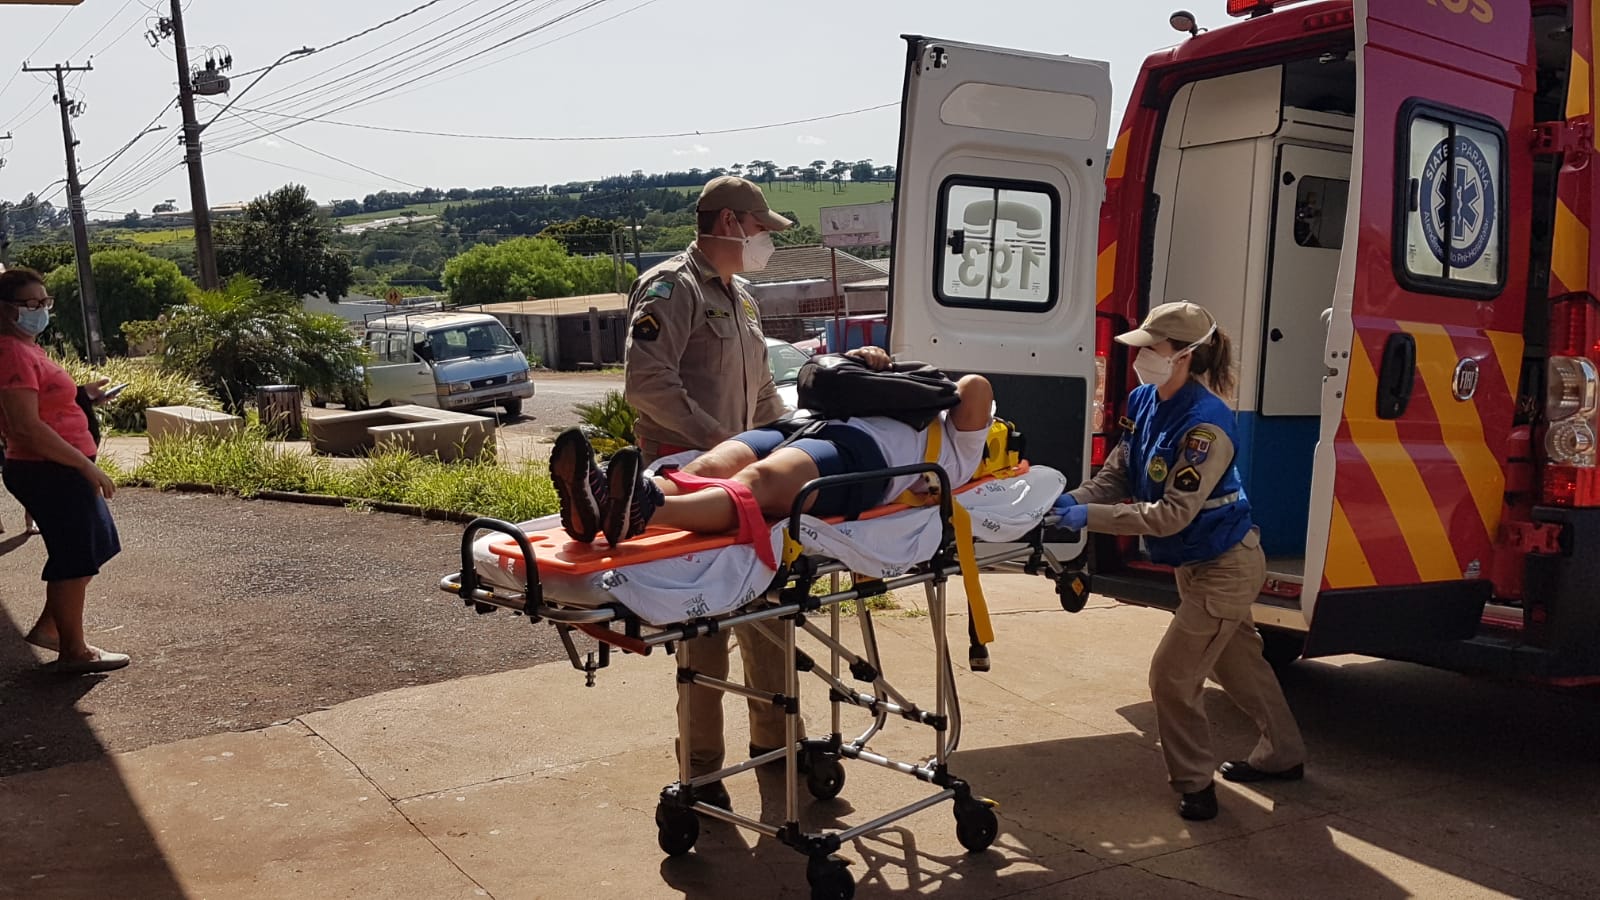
[789,602]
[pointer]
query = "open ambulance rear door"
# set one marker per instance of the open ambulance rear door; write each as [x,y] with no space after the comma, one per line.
[996,218]
[1425,341]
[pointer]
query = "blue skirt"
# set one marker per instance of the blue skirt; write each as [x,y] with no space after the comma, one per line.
[79,536]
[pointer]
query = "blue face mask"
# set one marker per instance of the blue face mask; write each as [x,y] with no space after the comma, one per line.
[33,322]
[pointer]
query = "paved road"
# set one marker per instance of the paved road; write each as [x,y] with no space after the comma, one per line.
[239,614]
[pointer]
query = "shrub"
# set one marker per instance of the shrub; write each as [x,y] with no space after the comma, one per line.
[248,464]
[148,385]
[609,423]
[240,338]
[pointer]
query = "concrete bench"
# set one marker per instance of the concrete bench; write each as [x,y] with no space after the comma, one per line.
[180,421]
[418,429]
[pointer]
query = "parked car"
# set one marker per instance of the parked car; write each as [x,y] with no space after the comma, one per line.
[448,360]
[785,360]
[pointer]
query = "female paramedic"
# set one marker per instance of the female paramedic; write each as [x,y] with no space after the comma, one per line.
[1176,464]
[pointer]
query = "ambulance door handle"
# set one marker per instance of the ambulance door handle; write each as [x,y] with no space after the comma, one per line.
[1397,376]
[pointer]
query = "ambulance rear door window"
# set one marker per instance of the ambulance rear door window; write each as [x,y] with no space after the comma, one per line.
[999,244]
[1450,210]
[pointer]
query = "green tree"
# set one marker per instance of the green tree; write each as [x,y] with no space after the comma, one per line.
[240,338]
[129,286]
[863,170]
[528,267]
[584,235]
[283,242]
[798,236]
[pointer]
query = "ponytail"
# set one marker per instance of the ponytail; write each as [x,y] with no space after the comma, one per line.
[1212,362]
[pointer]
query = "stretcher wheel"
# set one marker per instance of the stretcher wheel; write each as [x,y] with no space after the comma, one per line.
[829,879]
[825,778]
[976,825]
[677,829]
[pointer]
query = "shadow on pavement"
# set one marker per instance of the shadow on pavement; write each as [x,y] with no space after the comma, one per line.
[53,820]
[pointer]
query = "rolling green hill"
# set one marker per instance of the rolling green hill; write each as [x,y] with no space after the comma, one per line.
[801,202]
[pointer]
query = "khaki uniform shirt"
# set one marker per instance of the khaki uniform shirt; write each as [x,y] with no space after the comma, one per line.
[695,367]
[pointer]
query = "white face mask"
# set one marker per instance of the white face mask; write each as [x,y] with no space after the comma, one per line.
[1153,368]
[755,249]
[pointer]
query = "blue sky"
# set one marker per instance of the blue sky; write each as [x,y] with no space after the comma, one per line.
[657,66]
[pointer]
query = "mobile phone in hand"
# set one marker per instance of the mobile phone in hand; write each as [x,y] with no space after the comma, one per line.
[112,391]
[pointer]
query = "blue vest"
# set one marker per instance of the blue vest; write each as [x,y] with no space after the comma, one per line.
[1155,448]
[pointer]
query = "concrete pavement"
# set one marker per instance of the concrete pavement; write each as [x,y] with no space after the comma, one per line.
[527,784]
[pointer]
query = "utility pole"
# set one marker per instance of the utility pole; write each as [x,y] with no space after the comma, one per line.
[204,252]
[5,227]
[80,225]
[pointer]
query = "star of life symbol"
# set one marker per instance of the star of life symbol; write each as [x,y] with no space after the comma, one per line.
[1460,202]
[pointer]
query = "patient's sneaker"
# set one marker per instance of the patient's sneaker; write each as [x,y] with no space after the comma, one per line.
[634,497]
[579,483]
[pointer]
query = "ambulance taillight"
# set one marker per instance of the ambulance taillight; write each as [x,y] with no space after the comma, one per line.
[1103,332]
[1572,405]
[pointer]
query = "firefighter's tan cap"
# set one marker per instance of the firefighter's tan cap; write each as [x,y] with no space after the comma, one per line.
[1185,323]
[742,196]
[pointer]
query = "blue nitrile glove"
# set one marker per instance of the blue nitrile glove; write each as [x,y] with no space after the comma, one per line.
[1076,518]
[1072,514]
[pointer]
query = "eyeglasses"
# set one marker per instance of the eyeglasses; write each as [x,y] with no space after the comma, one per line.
[46,302]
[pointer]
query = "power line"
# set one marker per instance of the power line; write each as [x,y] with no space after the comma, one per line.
[591,138]
[279,134]
[363,33]
[52,33]
[101,30]
[322,109]
[428,49]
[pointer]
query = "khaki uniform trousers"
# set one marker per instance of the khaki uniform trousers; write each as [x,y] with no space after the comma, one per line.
[764,669]
[1212,635]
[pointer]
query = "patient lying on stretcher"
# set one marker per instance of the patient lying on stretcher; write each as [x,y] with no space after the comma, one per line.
[751,473]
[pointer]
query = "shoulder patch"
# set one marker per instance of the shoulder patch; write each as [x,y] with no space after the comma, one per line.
[1197,446]
[661,288]
[1128,425]
[646,328]
[1187,480]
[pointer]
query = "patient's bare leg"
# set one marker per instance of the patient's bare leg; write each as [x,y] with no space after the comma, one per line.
[721,461]
[775,481]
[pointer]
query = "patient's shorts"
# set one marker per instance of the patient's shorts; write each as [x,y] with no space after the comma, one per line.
[836,449]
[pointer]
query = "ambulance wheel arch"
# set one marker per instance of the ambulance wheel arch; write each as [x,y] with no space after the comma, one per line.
[995,232]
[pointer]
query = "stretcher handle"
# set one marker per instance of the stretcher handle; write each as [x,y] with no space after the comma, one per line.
[530,564]
[816,485]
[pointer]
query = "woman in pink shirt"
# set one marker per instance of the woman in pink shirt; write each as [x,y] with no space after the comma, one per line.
[50,469]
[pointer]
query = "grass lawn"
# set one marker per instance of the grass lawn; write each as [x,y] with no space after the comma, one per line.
[801,202]
[146,237]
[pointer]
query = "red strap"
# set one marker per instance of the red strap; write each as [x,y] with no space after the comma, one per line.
[753,528]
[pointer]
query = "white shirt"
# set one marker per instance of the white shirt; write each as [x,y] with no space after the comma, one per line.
[901,445]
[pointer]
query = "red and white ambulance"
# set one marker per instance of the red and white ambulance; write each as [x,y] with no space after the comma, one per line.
[1388,205]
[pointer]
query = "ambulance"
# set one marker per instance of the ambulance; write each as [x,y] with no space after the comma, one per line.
[1388,205]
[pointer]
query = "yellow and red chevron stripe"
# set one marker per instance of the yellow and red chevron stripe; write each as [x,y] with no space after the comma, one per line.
[1105,278]
[1570,270]
[1419,499]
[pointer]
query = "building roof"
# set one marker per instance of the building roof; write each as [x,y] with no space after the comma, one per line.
[555,306]
[811,263]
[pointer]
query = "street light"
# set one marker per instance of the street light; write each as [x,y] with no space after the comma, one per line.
[303,51]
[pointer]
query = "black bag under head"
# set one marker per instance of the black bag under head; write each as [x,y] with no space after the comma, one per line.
[836,386]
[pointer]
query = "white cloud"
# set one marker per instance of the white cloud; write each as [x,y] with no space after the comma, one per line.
[810,140]
[695,150]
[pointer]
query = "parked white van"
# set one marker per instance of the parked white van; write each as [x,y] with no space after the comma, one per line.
[449,360]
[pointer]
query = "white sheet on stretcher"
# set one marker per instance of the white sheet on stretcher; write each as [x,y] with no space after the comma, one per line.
[665,591]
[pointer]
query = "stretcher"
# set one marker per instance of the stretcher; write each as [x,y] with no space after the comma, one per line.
[664,588]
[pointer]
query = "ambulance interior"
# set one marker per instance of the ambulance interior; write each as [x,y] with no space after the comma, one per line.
[1251,190]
